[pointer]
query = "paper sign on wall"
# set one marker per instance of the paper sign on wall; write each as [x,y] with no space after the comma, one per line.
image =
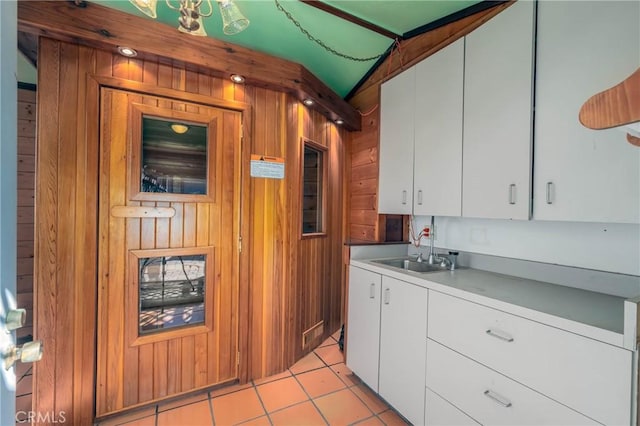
[267,167]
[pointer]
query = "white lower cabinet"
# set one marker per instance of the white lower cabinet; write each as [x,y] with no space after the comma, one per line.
[363,325]
[438,411]
[386,332]
[403,329]
[489,397]
[591,377]
[440,359]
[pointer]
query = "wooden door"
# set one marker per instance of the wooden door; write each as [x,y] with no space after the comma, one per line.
[168,249]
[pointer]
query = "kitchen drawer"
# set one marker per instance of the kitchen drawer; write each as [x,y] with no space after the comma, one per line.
[591,377]
[489,397]
[439,412]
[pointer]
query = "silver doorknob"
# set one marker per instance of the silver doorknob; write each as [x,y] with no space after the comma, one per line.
[29,352]
[15,319]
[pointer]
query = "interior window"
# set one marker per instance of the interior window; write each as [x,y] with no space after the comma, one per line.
[313,189]
[171,291]
[174,157]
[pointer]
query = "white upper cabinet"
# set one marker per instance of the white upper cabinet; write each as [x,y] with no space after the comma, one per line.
[438,133]
[583,48]
[498,99]
[396,144]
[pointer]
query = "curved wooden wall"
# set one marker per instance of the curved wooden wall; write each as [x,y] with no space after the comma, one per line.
[288,284]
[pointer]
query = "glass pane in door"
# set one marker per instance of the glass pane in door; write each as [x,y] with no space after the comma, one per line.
[174,157]
[171,291]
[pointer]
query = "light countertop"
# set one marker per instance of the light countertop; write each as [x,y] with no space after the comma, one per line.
[595,315]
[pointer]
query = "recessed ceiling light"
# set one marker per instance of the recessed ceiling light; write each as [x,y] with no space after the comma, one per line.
[236,78]
[308,102]
[339,121]
[127,51]
[179,128]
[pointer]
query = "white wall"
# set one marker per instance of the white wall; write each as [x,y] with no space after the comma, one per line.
[603,247]
[8,194]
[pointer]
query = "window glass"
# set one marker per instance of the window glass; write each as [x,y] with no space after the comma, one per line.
[171,291]
[174,157]
[312,196]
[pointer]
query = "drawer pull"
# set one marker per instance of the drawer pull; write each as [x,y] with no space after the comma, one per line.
[372,291]
[506,338]
[497,398]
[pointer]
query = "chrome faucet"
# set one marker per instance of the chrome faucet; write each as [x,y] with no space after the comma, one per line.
[433,257]
[450,261]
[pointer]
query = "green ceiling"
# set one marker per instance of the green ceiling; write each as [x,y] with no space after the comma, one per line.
[271,32]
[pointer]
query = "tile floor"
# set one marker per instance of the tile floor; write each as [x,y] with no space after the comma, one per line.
[318,390]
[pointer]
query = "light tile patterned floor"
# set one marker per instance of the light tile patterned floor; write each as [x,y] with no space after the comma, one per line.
[318,390]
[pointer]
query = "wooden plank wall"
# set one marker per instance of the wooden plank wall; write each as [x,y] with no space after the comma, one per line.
[365,223]
[26,182]
[315,273]
[272,297]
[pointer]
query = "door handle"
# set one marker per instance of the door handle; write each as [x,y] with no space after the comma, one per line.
[497,398]
[420,197]
[404,197]
[372,291]
[15,319]
[501,336]
[29,352]
[387,296]
[512,193]
[549,190]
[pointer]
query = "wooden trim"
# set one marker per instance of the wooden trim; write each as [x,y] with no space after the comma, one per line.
[104,28]
[133,211]
[351,18]
[325,182]
[135,149]
[165,92]
[134,338]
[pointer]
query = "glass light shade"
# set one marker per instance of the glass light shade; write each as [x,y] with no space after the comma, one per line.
[233,21]
[148,7]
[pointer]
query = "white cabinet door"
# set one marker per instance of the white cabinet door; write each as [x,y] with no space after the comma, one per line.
[498,82]
[584,47]
[438,133]
[403,347]
[439,412]
[396,144]
[363,325]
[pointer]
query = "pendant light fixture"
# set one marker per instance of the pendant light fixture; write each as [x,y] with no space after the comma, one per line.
[191,13]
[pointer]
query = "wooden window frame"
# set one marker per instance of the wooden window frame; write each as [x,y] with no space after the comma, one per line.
[132,299]
[139,111]
[324,180]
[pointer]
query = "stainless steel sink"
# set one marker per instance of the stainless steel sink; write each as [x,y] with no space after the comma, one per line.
[411,265]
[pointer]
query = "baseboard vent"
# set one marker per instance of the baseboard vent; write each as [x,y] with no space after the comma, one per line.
[312,334]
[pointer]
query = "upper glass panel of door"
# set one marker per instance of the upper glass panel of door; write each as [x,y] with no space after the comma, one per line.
[174,157]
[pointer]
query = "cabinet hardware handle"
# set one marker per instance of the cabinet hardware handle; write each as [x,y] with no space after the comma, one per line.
[420,197]
[404,197]
[512,193]
[506,338]
[497,398]
[387,296]
[549,189]
[372,291]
